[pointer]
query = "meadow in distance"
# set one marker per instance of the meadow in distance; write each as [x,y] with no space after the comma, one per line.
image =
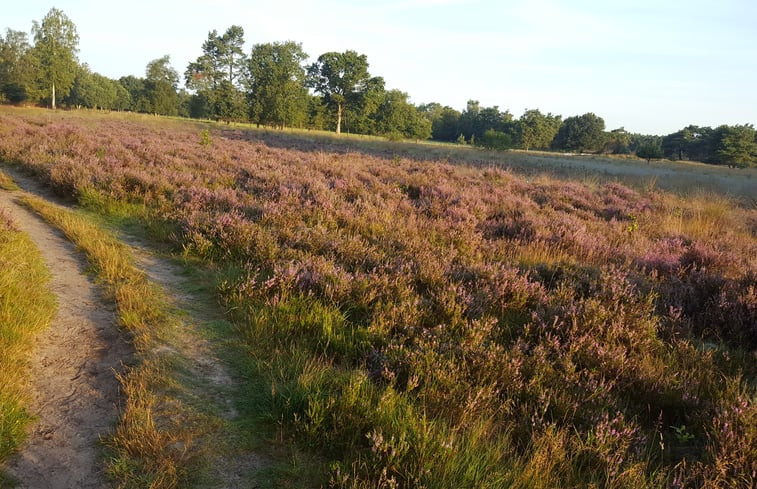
[402,313]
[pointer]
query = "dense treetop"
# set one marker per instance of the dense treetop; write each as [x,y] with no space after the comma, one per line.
[272,85]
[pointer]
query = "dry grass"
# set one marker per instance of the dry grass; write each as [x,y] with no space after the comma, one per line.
[26,307]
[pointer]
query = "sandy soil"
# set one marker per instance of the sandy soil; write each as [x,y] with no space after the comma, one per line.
[76,394]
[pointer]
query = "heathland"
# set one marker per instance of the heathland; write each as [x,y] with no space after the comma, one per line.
[413,315]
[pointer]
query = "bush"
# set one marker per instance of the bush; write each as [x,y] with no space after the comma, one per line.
[495,140]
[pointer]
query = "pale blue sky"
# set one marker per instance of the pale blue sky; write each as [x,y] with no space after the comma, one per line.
[651,66]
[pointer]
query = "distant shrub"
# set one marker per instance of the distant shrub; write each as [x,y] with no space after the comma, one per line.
[495,140]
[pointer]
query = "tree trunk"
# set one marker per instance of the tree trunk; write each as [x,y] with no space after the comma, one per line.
[53,95]
[339,118]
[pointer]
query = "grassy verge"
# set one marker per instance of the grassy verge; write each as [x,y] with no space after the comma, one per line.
[26,307]
[7,183]
[155,444]
[278,460]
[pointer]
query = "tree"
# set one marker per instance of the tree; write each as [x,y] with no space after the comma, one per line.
[18,67]
[398,118]
[55,45]
[618,142]
[338,77]
[475,121]
[445,121]
[676,145]
[231,53]
[492,139]
[581,133]
[650,149]
[161,82]
[361,111]
[229,103]
[537,130]
[222,60]
[276,84]
[137,93]
[737,146]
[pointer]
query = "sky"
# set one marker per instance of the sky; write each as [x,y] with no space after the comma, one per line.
[651,66]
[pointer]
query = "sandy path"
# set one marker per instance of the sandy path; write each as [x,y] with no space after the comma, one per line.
[72,371]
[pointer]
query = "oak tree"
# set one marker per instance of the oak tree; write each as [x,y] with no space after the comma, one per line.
[337,77]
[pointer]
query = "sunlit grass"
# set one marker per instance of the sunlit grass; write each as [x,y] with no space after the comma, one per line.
[26,307]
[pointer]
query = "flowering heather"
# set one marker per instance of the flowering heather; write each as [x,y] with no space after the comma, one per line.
[431,325]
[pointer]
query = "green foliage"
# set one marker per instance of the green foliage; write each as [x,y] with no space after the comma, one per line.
[618,142]
[92,90]
[55,46]
[650,150]
[161,81]
[737,146]
[581,133]
[276,84]
[216,77]
[18,67]
[205,139]
[444,121]
[338,77]
[229,103]
[362,107]
[397,116]
[538,130]
[734,146]
[495,140]
[475,121]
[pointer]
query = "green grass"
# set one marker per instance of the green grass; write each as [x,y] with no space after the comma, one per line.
[26,307]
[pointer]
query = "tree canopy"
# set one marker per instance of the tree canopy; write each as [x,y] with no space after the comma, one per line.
[338,77]
[538,130]
[56,44]
[581,133]
[276,84]
[216,76]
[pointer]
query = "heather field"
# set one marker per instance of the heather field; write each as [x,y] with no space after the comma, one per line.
[414,323]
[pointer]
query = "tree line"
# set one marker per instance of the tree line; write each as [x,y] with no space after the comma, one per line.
[272,85]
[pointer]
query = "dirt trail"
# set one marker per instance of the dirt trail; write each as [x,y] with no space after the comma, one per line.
[234,467]
[75,392]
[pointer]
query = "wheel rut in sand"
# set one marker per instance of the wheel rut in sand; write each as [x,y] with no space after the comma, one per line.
[231,466]
[75,393]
